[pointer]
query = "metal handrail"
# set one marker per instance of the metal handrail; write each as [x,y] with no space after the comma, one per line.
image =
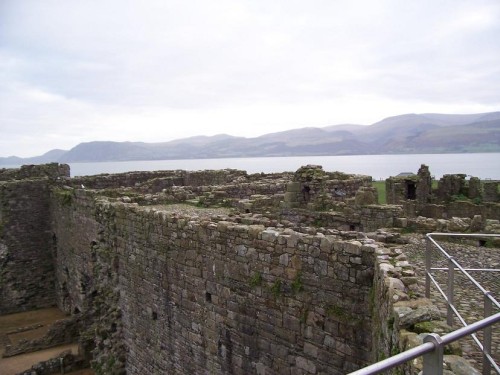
[463,270]
[433,347]
[434,342]
[489,300]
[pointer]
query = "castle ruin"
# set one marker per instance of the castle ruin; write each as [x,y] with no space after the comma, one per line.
[221,272]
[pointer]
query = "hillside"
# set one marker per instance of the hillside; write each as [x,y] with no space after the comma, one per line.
[409,133]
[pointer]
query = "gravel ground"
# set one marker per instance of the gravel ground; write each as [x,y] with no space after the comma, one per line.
[468,298]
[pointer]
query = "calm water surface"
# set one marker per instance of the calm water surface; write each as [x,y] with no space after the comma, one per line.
[484,166]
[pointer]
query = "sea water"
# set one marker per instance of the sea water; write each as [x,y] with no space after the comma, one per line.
[482,165]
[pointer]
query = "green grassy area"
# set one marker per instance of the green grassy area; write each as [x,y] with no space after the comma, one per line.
[380,186]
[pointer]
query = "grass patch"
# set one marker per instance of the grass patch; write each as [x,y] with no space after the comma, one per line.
[380,186]
[408,230]
[276,288]
[65,197]
[297,285]
[256,279]
[337,312]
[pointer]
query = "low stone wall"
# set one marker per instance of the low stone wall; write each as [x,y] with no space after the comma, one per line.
[65,331]
[347,217]
[65,363]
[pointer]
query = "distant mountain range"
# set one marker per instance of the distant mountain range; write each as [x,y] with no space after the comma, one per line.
[404,134]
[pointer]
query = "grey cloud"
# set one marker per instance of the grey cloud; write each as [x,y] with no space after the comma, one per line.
[198,55]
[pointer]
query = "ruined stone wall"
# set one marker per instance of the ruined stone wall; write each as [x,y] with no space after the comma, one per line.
[491,191]
[450,185]
[492,211]
[26,244]
[129,179]
[457,209]
[155,181]
[153,291]
[395,190]
[438,211]
[424,186]
[343,217]
[221,297]
[76,234]
[239,299]
[87,284]
[323,191]
[373,217]
[51,171]
[213,177]
[269,191]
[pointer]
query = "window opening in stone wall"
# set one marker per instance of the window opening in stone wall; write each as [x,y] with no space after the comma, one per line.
[306,190]
[208,297]
[411,190]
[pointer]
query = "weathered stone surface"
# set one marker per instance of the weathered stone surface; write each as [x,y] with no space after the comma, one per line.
[459,366]
[457,225]
[26,245]
[476,224]
[164,303]
[366,196]
[163,289]
[421,314]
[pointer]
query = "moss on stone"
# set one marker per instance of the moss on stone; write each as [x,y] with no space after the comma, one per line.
[256,279]
[297,284]
[276,288]
[337,312]
[64,196]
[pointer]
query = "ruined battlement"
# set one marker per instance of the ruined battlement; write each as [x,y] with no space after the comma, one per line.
[211,271]
[451,187]
[52,171]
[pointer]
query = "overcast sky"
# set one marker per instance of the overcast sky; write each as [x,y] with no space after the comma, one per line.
[75,71]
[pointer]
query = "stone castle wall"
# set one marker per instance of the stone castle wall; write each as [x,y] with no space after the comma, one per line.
[154,290]
[52,171]
[158,180]
[76,232]
[26,246]
[200,296]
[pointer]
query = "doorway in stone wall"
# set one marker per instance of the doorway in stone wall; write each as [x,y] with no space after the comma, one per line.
[411,190]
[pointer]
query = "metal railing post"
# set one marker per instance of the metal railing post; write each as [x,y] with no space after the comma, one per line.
[450,291]
[488,310]
[428,252]
[433,361]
